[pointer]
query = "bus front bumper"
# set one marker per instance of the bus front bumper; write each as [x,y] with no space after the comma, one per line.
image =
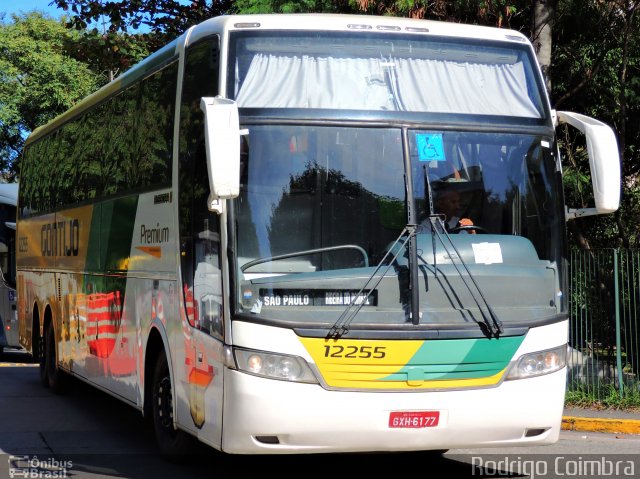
[265,416]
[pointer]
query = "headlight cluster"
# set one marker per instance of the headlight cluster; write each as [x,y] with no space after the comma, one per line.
[273,366]
[539,363]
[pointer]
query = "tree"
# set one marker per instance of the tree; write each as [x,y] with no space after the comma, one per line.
[486,12]
[111,53]
[541,33]
[172,17]
[595,69]
[166,18]
[39,79]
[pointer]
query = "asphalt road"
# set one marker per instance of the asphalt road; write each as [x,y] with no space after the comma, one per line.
[88,434]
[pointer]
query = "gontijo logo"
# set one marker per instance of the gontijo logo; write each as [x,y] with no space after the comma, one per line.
[61,238]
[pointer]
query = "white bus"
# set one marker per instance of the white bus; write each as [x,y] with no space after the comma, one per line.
[238,237]
[8,307]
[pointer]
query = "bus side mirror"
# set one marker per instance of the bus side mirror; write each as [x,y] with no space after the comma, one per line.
[604,163]
[222,144]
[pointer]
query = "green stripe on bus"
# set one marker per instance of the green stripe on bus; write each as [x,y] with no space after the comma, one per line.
[459,359]
[118,220]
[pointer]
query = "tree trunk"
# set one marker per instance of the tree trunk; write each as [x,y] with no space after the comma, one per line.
[542,22]
[630,9]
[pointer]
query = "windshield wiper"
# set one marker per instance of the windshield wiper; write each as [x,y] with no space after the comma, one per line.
[492,323]
[341,326]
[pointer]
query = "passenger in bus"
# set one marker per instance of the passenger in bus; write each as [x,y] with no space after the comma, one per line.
[449,205]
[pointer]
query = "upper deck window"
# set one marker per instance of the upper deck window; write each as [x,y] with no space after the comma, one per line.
[376,72]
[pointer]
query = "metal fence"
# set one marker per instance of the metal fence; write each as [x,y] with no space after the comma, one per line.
[604,337]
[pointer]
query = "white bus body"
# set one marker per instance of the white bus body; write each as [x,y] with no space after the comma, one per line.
[231,238]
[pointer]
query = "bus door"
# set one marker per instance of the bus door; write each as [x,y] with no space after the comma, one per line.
[200,405]
[203,329]
[8,307]
[204,337]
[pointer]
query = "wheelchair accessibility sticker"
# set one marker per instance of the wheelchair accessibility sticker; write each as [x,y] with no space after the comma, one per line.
[430,147]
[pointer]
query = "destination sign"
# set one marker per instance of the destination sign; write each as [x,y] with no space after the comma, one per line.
[316,297]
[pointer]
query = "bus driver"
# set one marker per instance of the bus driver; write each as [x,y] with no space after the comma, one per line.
[448,203]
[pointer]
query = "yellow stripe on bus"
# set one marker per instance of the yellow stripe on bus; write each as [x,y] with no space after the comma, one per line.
[368,364]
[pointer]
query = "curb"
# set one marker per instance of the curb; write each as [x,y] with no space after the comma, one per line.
[617,426]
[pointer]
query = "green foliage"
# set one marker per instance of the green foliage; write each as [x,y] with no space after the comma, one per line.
[110,53]
[484,12]
[254,6]
[595,70]
[606,396]
[166,17]
[291,6]
[39,79]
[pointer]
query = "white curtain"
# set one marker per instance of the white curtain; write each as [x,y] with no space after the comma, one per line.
[417,85]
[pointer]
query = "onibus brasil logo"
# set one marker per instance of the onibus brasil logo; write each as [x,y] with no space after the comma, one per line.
[33,467]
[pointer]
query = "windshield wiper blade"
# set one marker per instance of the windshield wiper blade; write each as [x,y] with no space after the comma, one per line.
[341,326]
[493,324]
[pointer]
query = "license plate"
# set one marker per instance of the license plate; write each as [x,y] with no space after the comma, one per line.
[413,419]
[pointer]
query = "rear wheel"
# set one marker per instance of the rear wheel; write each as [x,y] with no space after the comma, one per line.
[54,377]
[173,443]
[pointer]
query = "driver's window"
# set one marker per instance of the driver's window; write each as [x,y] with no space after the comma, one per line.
[199,228]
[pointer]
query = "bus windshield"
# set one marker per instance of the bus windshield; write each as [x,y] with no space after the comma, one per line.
[321,206]
[390,73]
[411,122]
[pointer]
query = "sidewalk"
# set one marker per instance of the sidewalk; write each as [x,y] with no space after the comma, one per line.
[601,420]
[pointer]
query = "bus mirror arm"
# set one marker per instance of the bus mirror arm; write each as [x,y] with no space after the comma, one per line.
[604,163]
[573,213]
[222,144]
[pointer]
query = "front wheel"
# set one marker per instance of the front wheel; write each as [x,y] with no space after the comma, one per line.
[173,443]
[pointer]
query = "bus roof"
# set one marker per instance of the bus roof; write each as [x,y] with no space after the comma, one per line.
[279,21]
[364,23]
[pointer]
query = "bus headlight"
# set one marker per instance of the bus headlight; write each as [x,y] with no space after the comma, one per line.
[539,363]
[273,366]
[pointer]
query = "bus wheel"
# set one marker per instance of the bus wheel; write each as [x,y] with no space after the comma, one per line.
[55,377]
[173,443]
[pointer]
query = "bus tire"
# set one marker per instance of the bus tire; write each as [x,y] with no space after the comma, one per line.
[54,376]
[173,443]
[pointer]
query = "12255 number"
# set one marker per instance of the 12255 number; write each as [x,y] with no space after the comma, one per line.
[361,352]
